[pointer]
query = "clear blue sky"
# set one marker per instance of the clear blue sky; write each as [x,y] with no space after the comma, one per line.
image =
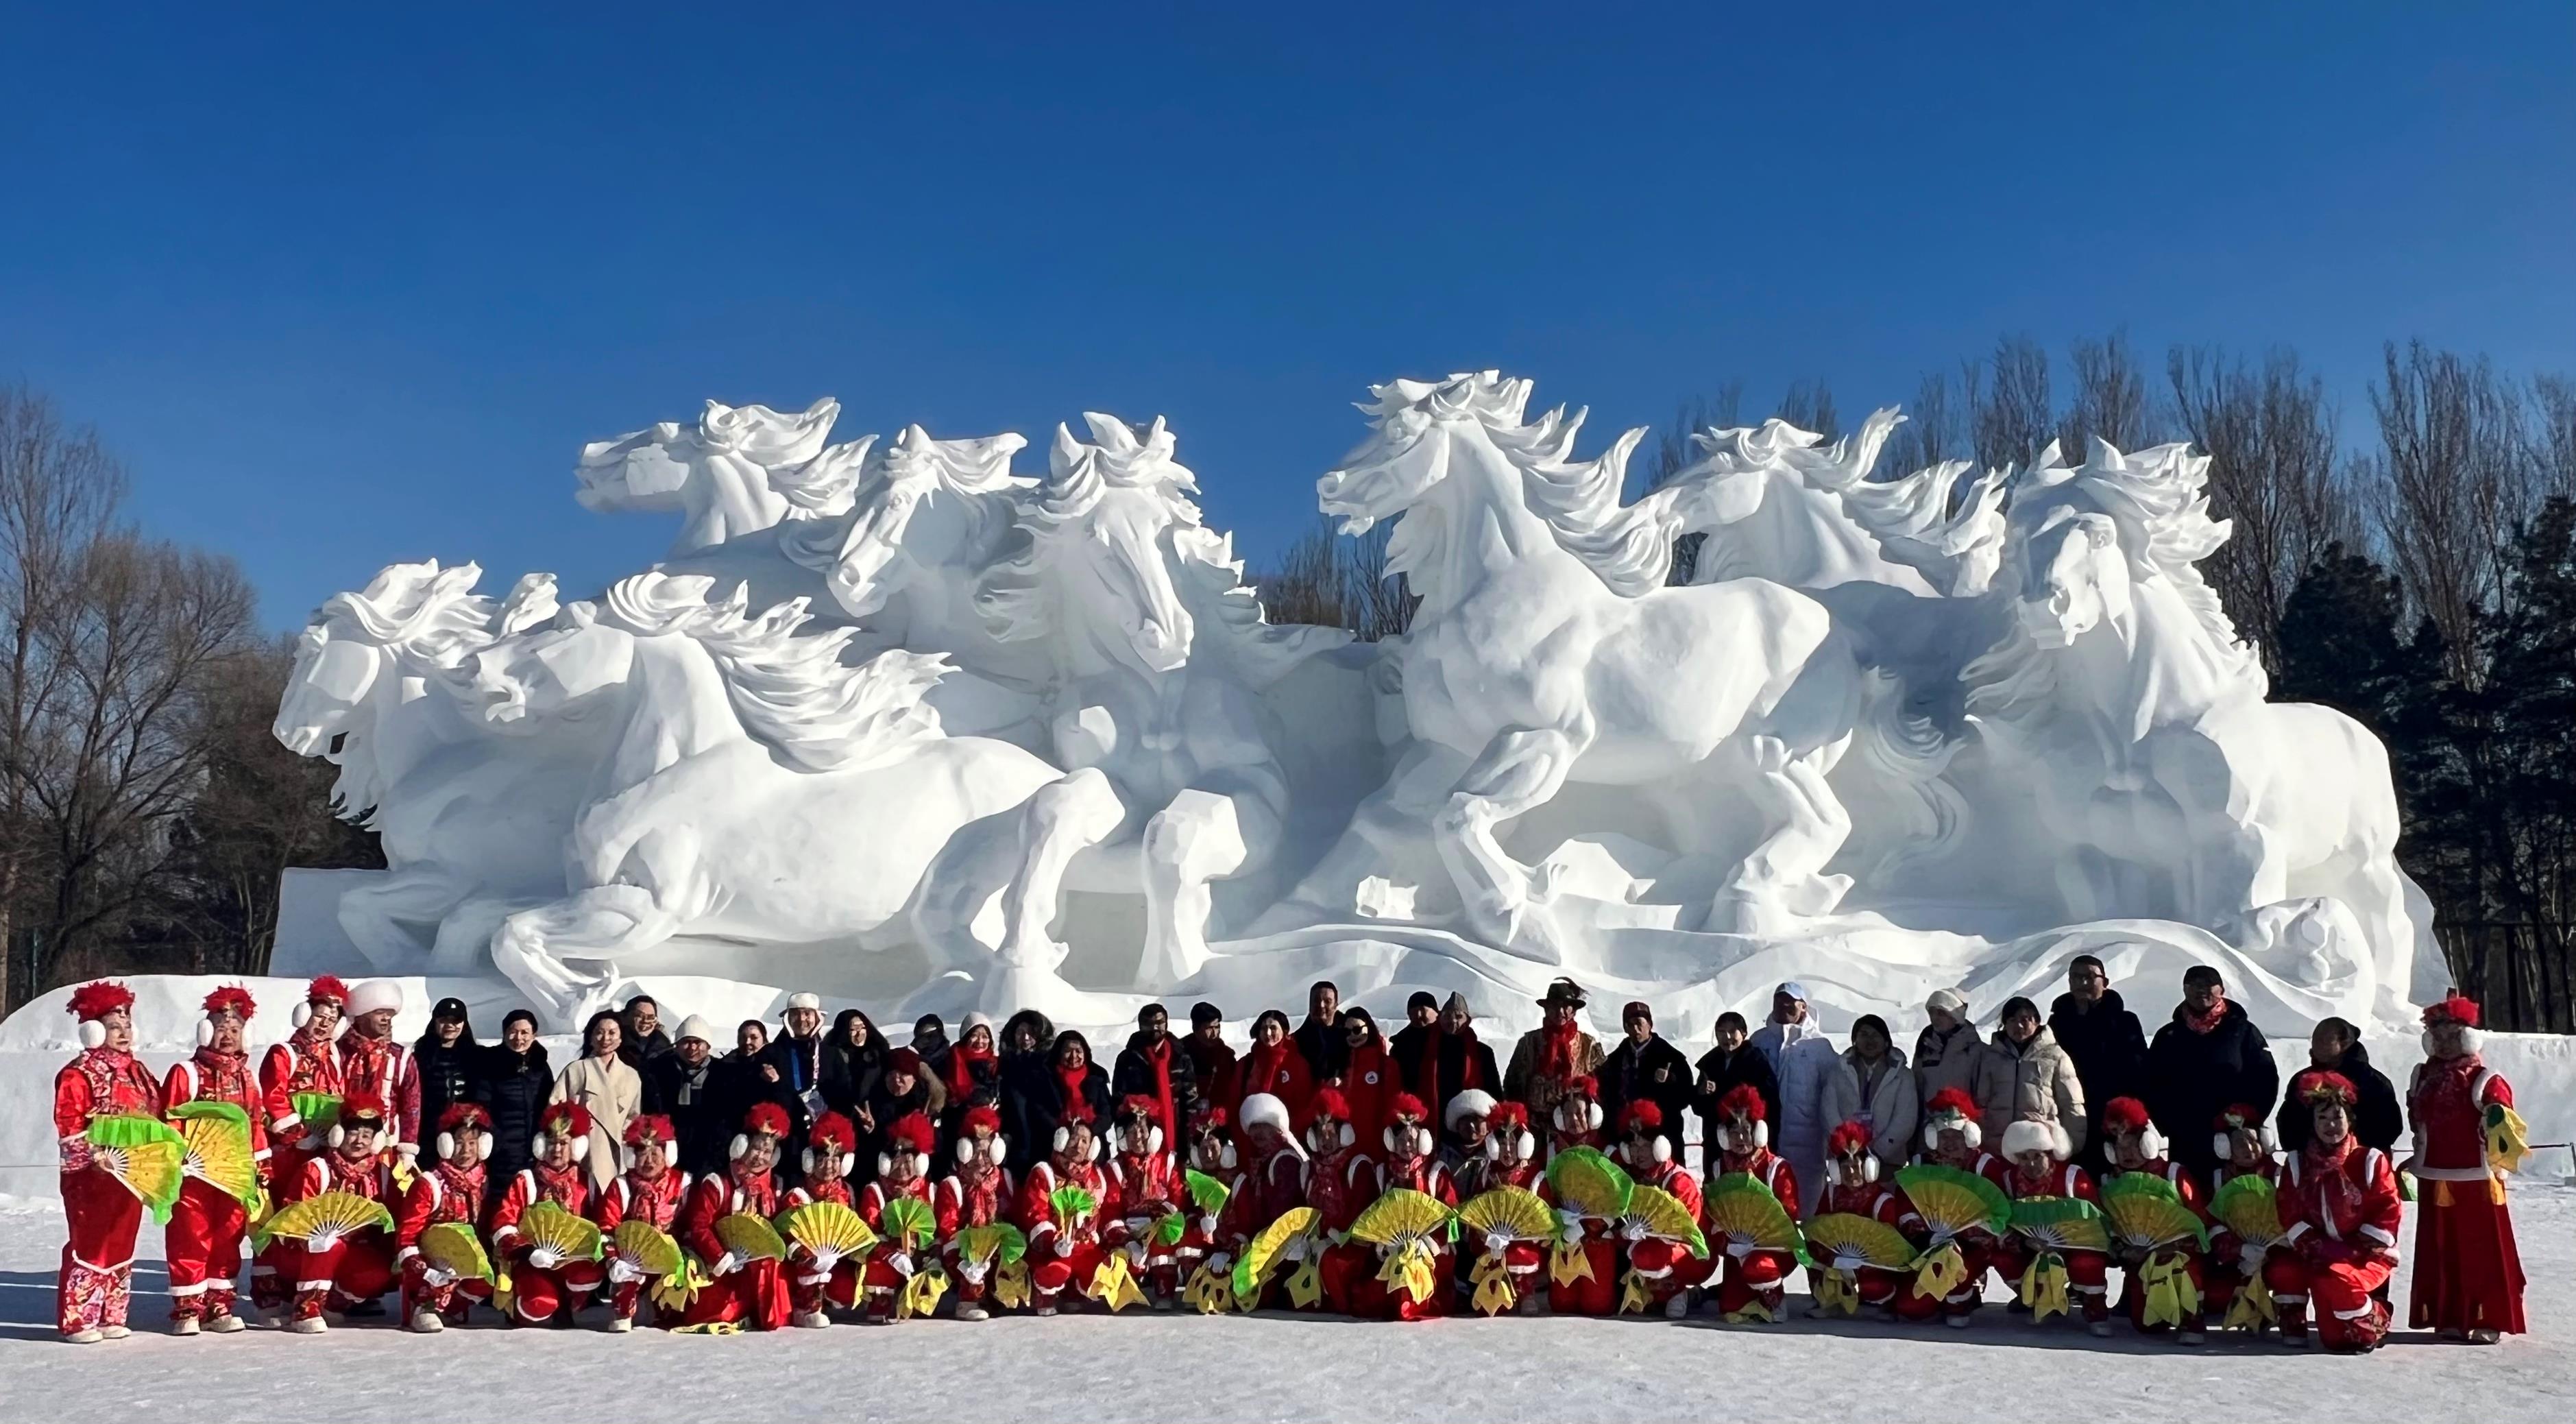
[344,287]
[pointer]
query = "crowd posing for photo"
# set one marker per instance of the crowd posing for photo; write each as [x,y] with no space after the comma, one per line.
[825,1173]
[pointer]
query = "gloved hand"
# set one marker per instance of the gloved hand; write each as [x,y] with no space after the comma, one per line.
[1294,1250]
[624,1272]
[1633,1231]
[1739,1249]
[1569,1223]
[436,1279]
[1385,1249]
[1139,1225]
[1063,1245]
[727,1264]
[1220,1262]
[1207,1226]
[973,1272]
[2249,1261]
[825,1258]
[310,1142]
[1135,1251]
[321,1241]
[1497,1242]
[77,1154]
[900,1262]
[543,1258]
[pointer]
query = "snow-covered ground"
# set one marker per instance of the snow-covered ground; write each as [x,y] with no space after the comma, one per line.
[1178,1367]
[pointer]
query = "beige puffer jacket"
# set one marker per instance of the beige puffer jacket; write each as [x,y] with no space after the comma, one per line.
[2035,1081]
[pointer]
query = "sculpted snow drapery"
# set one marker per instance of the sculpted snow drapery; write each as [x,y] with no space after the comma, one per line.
[965,736]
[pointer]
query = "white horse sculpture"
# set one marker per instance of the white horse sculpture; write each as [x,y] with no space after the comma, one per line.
[1549,648]
[1159,655]
[2123,699]
[717,474]
[757,788]
[470,822]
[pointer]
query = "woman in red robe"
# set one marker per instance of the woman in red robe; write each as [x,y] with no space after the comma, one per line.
[106,1080]
[2468,1274]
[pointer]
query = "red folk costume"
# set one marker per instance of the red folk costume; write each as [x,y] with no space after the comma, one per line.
[1509,1158]
[203,1241]
[2468,1271]
[1144,1188]
[651,1190]
[1341,1180]
[451,1190]
[1412,1164]
[1752,1282]
[2088,1272]
[541,1282]
[95,1284]
[978,1193]
[903,1170]
[335,1273]
[2244,1143]
[741,1294]
[307,1062]
[1277,1070]
[2341,1206]
[382,1067]
[818,1280]
[1666,1269]
[1953,1137]
[1214,1241]
[1064,1252]
[1575,1121]
[1853,1188]
[2126,1124]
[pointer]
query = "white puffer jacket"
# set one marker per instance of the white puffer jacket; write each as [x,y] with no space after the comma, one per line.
[1806,1063]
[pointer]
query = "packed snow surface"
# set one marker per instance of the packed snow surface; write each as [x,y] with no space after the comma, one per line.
[1272,1368]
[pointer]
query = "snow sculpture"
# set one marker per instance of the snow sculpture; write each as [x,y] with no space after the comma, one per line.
[896,722]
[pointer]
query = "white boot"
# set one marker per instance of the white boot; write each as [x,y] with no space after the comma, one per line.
[1678,1308]
[113,1332]
[185,1325]
[307,1325]
[426,1321]
[620,1324]
[224,1324]
[83,1337]
[810,1320]
[969,1310]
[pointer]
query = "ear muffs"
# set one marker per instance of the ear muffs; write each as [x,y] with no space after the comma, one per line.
[303,1014]
[965,1150]
[1663,1148]
[205,1033]
[1348,1135]
[741,1144]
[1761,1133]
[1063,1138]
[1869,1168]
[1494,1147]
[1154,1141]
[92,1033]
[446,1145]
[483,1147]
[1527,1142]
[581,1147]
[2471,1040]
[336,1135]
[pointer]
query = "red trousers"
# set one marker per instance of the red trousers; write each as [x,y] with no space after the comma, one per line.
[351,1269]
[754,1297]
[1754,1277]
[1667,1269]
[2088,1275]
[2468,1271]
[1051,1275]
[1597,1294]
[95,1284]
[203,1243]
[536,1295]
[1341,1272]
[450,1300]
[2133,1291]
[1876,1287]
[2337,1295]
[1912,1304]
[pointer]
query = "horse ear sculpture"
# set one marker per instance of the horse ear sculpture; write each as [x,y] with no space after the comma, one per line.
[967,737]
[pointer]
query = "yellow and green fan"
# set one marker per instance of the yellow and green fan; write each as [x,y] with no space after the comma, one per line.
[1412,1226]
[646,1247]
[145,1155]
[332,1214]
[1261,1254]
[452,1246]
[1587,1182]
[1952,1202]
[1847,1241]
[547,1224]
[319,1112]
[829,1226]
[2145,1212]
[1208,1197]
[217,1139]
[909,1223]
[1664,1218]
[1070,1205]
[2507,1139]
[2251,1208]
[1741,1209]
[2058,1224]
[1516,1212]
[999,1243]
[749,1235]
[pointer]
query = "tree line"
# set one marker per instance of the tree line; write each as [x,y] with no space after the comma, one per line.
[2417,572]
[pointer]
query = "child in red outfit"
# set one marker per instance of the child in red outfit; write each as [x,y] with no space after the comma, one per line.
[1750,1290]
[2037,1152]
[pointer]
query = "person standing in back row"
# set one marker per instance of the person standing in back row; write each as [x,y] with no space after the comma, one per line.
[2109,1047]
[1319,1039]
[1552,1055]
[2209,1058]
[1804,1061]
[2335,1047]
[1733,1063]
[1646,1068]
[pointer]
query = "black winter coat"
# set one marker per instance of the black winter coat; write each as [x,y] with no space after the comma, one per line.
[2193,1077]
[1658,1073]
[2109,1048]
[1326,1047]
[1720,1074]
[693,1099]
[513,1088]
[2377,1119]
[1134,1073]
[1033,1096]
[446,1077]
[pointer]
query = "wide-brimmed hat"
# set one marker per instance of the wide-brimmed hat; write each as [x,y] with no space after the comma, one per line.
[1562,991]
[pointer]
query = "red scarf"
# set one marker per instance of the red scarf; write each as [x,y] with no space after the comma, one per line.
[1426,1074]
[2326,1163]
[1556,1051]
[961,1072]
[1074,1080]
[1261,1066]
[1160,1058]
[2199,1022]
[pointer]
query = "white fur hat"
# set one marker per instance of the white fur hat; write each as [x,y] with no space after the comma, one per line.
[371,995]
[1263,1108]
[805,1001]
[1474,1102]
[2048,1137]
[696,1026]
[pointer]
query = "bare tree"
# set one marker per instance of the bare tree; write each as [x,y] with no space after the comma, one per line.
[2454,475]
[2553,399]
[1809,405]
[1932,431]
[2110,400]
[1675,451]
[1331,581]
[2269,432]
[2010,415]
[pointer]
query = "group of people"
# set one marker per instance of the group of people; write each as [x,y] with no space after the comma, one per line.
[1188,1172]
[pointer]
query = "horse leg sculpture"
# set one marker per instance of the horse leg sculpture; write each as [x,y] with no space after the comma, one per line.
[1519,770]
[374,916]
[1783,881]
[1201,836]
[530,947]
[1063,819]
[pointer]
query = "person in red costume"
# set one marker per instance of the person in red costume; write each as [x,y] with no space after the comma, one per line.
[2037,1153]
[1342,1177]
[818,1280]
[451,1190]
[2468,1270]
[203,1240]
[307,1062]
[1412,1164]
[1507,1157]
[1953,1137]
[903,1170]
[373,1061]
[1576,1119]
[1752,1282]
[1369,1077]
[542,1282]
[2242,1139]
[977,1193]
[1215,1241]
[95,1284]
[1853,1188]
[741,1293]
[2340,1203]
[1144,1188]
[1273,1068]
[1668,1268]
[2131,1144]
[652,1189]
[1064,1248]
[340,1273]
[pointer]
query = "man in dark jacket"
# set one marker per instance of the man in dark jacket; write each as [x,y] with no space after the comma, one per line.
[1645,1066]
[2106,1042]
[2209,1058]
[1421,1018]
[682,1086]
[1734,1062]
[644,1039]
[2376,1120]
[1211,1059]
[1154,1065]
[1320,1039]
[512,1081]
